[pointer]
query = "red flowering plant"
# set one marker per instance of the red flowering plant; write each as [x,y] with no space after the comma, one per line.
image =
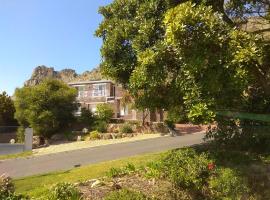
[211,166]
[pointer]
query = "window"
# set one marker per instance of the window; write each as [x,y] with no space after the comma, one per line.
[124,111]
[99,90]
[81,91]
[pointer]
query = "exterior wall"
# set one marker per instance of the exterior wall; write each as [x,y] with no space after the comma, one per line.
[113,95]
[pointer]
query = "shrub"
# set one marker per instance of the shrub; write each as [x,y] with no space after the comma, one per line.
[226,184]
[125,194]
[87,117]
[94,135]
[64,191]
[126,128]
[115,172]
[153,170]
[104,112]
[7,190]
[69,135]
[20,134]
[186,169]
[6,186]
[47,107]
[101,126]
[170,124]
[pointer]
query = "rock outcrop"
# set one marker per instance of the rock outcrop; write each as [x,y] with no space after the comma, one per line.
[67,75]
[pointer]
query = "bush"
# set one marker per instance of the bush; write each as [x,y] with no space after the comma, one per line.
[186,169]
[64,191]
[170,124]
[20,134]
[126,128]
[7,190]
[47,107]
[104,112]
[226,184]
[87,118]
[94,135]
[6,186]
[115,172]
[125,194]
[101,126]
[177,114]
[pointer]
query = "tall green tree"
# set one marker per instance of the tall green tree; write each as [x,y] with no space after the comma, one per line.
[7,110]
[47,107]
[192,54]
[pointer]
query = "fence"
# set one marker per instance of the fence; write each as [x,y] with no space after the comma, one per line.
[8,136]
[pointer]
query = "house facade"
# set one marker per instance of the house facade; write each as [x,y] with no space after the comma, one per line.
[92,93]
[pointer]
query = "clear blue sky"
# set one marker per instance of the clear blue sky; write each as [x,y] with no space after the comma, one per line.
[56,33]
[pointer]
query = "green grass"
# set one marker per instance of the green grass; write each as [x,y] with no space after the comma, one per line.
[36,186]
[17,155]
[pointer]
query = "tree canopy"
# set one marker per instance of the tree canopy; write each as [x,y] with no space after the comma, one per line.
[47,107]
[192,54]
[7,110]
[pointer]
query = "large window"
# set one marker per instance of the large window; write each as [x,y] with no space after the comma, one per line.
[82,91]
[99,90]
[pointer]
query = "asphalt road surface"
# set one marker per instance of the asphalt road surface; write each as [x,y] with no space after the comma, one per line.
[22,167]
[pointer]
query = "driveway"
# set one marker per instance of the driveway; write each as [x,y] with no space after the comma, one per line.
[21,167]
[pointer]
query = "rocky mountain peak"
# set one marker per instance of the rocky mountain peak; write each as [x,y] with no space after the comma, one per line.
[67,75]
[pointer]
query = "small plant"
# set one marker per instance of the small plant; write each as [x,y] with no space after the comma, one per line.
[125,194]
[226,184]
[64,191]
[115,172]
[126,128]
[7,190]
[170,124]
[86,117]
[104,112]
[20,134]
[153,170]
[68,135]
[6,186]
[101,126]
[94,135]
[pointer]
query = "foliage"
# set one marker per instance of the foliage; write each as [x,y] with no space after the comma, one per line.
[125,194]
[20,134]
[116,172]
[6,186]
[177,115]
[189,54]
[94,135]
[170,124]
[187,169]
[7,190]
[64,191]
[47,107]
[7,110]
[241,134]
[86,117]
[226,184]
[38,185]
[126,128]
[101,126]
[104,112]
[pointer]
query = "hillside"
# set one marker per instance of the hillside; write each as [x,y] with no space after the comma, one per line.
[67,75]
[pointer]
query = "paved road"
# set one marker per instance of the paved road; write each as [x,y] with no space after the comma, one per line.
[21,167]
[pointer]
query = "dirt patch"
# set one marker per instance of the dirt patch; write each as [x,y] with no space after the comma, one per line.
[158,189]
